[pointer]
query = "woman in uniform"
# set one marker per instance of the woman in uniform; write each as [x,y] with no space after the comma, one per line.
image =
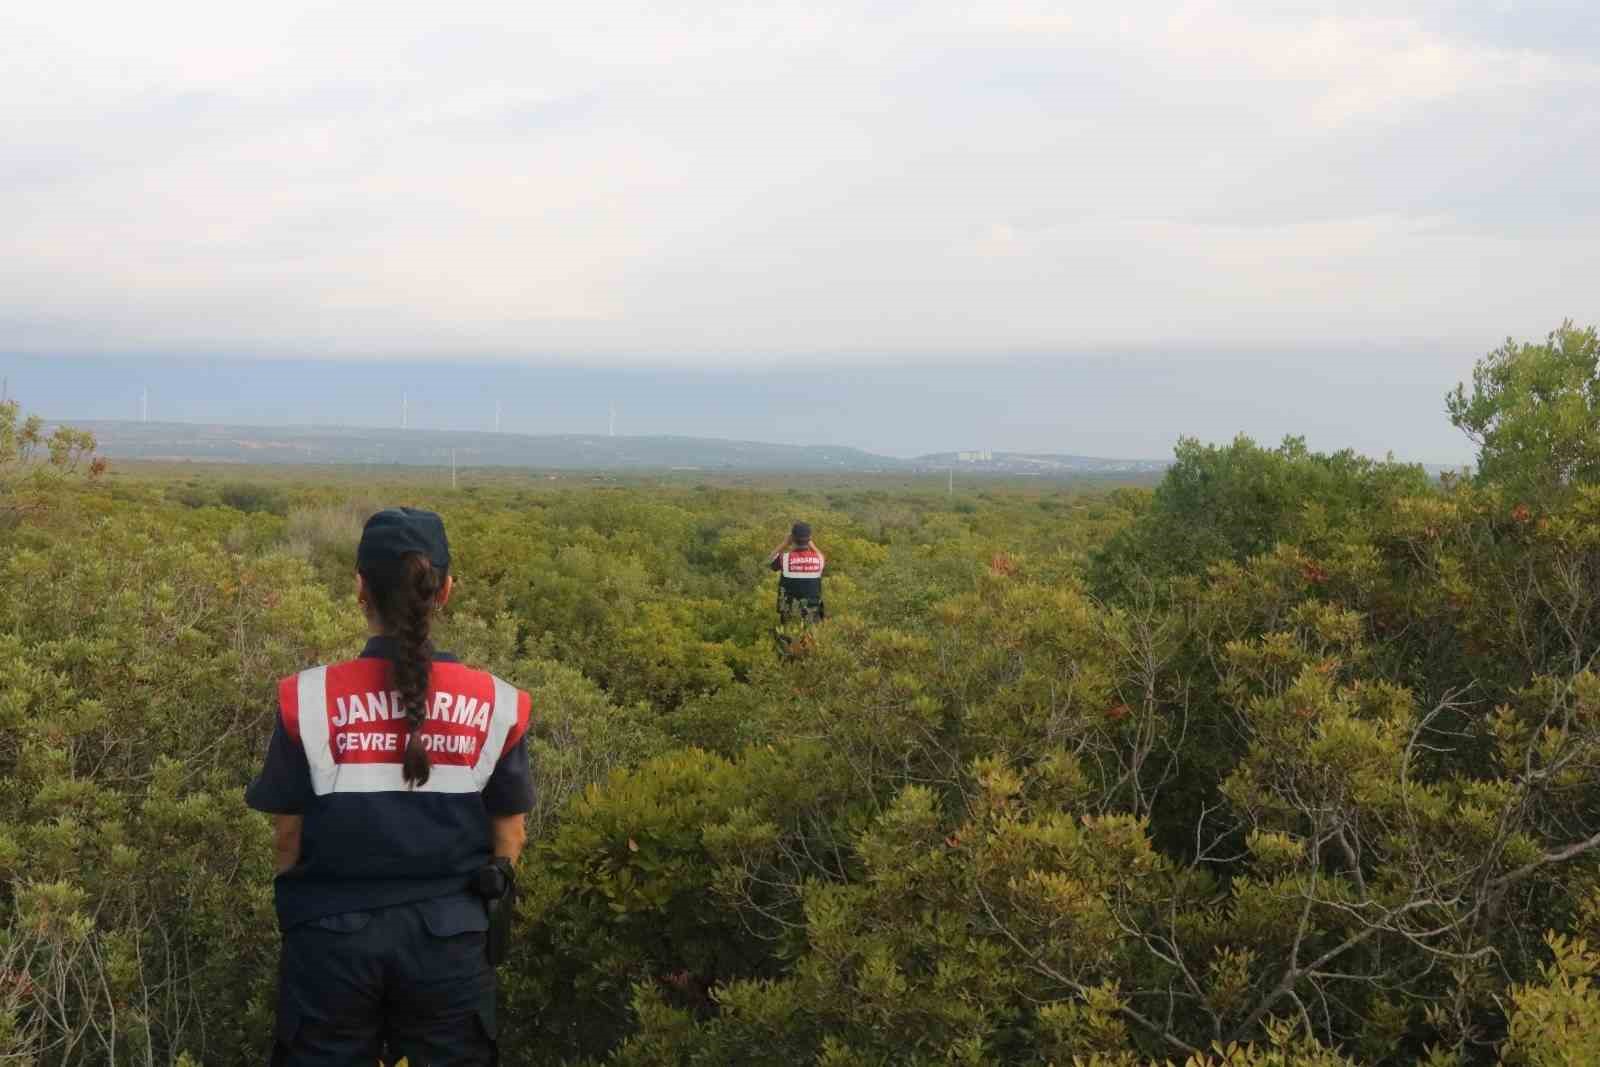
[799,564]
[398,783]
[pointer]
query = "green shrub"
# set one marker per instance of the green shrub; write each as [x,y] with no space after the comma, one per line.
[249,498]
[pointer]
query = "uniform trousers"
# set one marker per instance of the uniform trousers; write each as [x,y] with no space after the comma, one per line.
[795,609]
[410,981]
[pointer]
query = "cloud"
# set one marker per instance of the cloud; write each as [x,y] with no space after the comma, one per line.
[617,181]
[1350,69]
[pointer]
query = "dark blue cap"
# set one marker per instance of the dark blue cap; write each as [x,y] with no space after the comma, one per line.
[394,533]
[801,532]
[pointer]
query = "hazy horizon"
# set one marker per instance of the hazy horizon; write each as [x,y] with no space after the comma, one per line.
[1124,408]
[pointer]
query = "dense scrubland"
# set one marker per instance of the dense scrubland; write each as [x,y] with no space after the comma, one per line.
[1290,760]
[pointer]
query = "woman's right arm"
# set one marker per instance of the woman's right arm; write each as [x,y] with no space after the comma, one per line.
[510,834]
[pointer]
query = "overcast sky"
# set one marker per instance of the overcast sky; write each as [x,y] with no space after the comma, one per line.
[1263,189]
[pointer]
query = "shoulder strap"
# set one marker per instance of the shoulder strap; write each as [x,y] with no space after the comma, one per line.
[509,722]
[289,706]
[311,714]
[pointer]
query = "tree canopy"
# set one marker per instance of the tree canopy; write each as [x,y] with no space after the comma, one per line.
[33,461]
[1534,412]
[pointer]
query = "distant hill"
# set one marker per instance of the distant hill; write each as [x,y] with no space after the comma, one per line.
[262,444]
[215,443]
[343,445]
[559,451]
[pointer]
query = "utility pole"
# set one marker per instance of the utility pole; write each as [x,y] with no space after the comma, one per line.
[5,390]
[452,468]
[951,492]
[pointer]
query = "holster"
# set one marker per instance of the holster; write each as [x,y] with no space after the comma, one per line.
[497,885]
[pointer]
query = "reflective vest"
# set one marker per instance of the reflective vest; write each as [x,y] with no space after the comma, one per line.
[800,574]
[354,731]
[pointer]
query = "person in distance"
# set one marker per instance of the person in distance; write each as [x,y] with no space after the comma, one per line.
[799,565]
[398,783]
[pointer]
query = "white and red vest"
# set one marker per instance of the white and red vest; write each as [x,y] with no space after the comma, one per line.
[354,731]
[800,574]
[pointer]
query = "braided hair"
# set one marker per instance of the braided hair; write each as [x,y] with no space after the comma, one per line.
[403,596]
